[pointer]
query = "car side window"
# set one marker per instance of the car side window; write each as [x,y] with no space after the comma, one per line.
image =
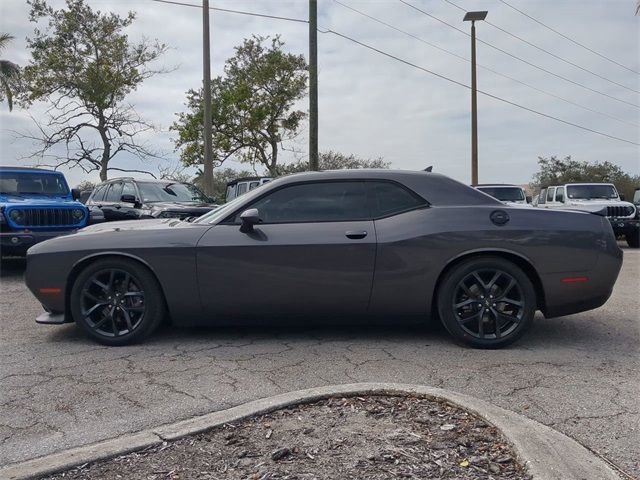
[313,202]
[387,198]
[98,193]
[542,198]
[560,194]
[113,194]
[550,193]
[241,189]
[129,189]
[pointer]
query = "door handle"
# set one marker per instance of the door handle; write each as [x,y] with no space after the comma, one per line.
[355,234]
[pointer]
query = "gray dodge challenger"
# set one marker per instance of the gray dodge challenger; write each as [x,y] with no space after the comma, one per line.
[335,246]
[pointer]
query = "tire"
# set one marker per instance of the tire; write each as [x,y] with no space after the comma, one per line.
[633,240]
[474,314]
[117,302]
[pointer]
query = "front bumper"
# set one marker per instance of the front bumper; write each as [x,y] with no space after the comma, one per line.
[624,226]
[18,241]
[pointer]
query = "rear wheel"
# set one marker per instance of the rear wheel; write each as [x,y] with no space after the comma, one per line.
[117,302]
[486,302]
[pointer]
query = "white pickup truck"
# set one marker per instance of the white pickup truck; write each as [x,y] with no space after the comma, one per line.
[593,197]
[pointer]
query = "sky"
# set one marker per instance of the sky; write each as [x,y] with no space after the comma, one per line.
[374,106]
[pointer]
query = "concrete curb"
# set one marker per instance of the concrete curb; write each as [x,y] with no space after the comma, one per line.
[548,454]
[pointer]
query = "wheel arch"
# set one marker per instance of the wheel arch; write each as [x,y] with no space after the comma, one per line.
[525,264]
[88,260]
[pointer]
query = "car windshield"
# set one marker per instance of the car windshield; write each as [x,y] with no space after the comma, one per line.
[171,192]
[588,192]
[19,183]
[504,194]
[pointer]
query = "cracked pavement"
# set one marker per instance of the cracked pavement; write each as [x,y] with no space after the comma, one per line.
[579,374]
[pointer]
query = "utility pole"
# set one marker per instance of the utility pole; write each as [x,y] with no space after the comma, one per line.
[206,84]
[472,17]
[313,85]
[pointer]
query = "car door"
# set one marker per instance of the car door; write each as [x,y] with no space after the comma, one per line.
[128,210]
[111,202]
[312,254]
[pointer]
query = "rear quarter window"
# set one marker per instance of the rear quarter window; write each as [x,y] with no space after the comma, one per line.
[387,198]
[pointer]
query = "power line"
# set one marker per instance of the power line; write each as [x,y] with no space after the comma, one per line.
[449,52]
[521,59]
[240,12]
[569,38]
[414,66]
[538,47]
[495,97]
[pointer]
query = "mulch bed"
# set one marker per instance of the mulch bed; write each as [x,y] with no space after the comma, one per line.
[372,437]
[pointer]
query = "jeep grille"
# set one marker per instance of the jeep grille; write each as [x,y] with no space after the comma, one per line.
[619,211]
[45,217]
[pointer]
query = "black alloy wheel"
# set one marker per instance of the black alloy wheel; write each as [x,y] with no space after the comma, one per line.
[486,302]
[117,302]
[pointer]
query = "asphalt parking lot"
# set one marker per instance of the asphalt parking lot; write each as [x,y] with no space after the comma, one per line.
[579,374]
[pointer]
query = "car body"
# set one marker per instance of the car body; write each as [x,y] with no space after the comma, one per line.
[131,199]
[342,245]
[243,185]
[512,195]
[35,205]
[592,197]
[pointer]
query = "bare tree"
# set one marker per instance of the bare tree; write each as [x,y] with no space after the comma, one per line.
[84,65]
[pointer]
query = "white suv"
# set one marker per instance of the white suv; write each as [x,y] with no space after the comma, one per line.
[512,195]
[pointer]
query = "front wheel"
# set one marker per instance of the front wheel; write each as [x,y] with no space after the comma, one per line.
[486,302]
[117,302]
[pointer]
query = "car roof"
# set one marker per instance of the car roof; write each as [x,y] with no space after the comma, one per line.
[137,180]
[437,189]
[245,179]
[28,169]
[496,185]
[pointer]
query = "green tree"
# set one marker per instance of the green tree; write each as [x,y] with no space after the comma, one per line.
[84,65]
[252,106]
[557,171]
[331,160]
[9,73]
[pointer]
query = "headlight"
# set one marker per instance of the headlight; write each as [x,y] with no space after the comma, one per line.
[16,215]
[77,213]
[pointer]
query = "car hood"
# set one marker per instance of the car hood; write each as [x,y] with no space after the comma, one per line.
[37,201]
[180,206]
[150,224]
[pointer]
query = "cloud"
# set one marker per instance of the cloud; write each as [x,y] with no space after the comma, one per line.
[374,106]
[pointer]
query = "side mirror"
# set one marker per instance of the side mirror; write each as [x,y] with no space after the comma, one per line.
[249,218]
[75,194]
[528,198]
[128,199]
[622,197]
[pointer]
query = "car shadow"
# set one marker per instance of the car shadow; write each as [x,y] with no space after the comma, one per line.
[12,267]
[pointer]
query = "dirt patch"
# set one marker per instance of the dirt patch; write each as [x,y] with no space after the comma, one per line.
[372,437]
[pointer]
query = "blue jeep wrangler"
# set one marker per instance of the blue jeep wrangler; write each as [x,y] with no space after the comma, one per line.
[36,205]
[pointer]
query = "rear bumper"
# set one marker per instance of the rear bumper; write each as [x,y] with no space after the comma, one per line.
[563,297]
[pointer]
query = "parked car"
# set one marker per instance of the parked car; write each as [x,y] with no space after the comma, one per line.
[369,244]
[513,195]
[243,185]
[35,205]
[131,199]
[591,197]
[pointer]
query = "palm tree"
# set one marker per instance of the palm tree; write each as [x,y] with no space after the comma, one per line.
[9,71]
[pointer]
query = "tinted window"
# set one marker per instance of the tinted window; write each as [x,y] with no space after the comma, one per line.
[560,194]
[543,196]
[113,193]
[589,192]
[505,194]
[22,183]
[314,202]
[388,198]
[550,193]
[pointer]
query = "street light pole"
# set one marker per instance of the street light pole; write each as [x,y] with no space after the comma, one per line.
[313,85]
[473,16]
[207,162]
